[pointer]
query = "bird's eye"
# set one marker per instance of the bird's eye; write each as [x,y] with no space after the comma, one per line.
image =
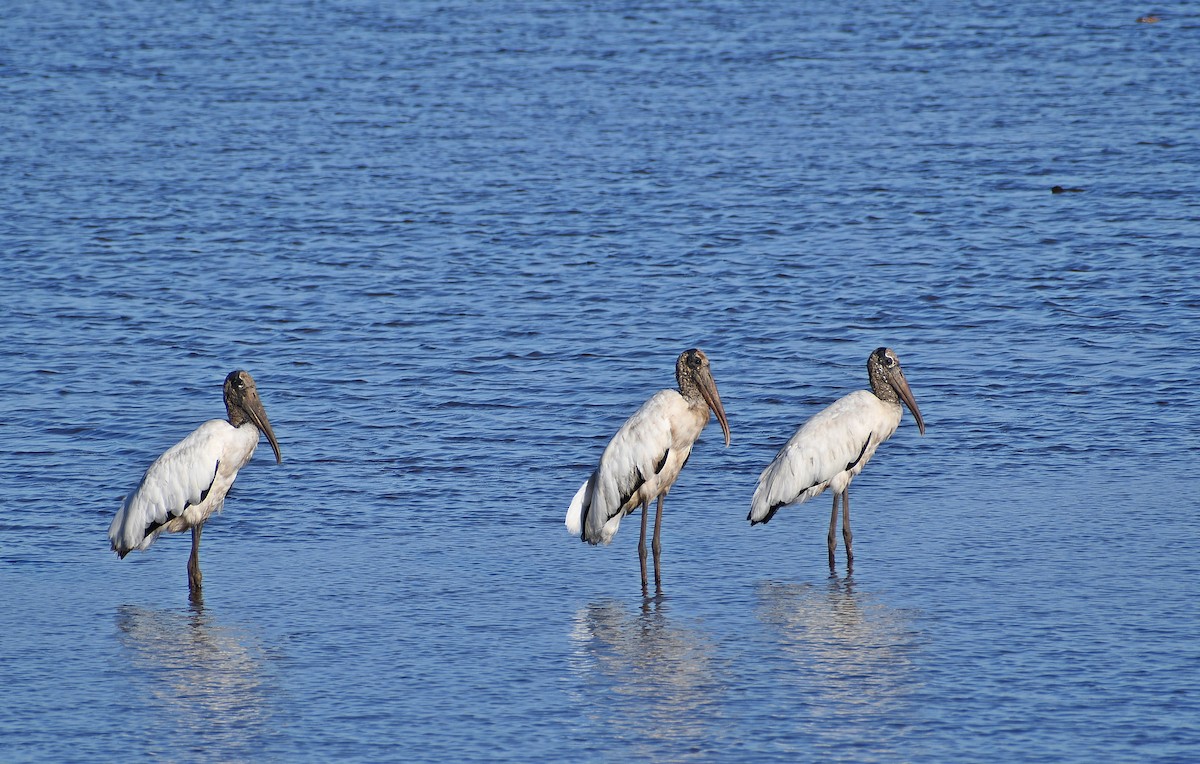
[889,361]
[694,361]
[239,383]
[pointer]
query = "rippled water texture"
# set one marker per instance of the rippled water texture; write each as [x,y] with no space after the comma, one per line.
[458,243]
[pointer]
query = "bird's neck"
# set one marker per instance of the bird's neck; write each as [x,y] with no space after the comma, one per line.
[883,391]
[691,392]
[237,417]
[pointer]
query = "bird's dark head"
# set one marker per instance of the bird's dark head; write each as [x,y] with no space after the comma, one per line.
[888,382]
[689,363]
[694,376]
[243,405]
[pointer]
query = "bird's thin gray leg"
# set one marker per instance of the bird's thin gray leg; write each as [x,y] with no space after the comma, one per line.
[642,544]
[831,539]
[194,578]
[846,534]
[657,547]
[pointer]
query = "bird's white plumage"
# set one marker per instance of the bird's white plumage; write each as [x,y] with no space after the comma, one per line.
[650,447]
[826,452]
[185,485]
[583,497]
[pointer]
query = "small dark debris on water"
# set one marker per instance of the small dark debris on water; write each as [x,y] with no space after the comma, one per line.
[1149,19]
[1061,190]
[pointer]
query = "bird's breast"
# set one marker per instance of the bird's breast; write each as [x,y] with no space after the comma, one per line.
[238,448]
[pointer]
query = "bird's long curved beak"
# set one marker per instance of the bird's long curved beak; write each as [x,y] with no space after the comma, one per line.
[901,386]
[708,390]
[258,415]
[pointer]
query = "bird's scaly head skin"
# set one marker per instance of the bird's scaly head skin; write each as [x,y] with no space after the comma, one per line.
[694,376]
[243,404]
[888,382]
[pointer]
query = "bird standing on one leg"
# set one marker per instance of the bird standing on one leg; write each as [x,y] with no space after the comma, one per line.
[188,483]
[645,457]
[834,446]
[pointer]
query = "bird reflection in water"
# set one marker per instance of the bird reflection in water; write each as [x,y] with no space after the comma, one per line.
[852,659]
[645,678]
[202,680]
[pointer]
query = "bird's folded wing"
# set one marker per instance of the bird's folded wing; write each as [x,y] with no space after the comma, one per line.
[826,445]
[635,454]
[180,477]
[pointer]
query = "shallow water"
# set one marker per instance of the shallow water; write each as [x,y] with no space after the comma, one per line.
[457,244]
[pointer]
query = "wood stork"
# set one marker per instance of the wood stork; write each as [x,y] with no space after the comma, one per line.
[645,457]
[185,485]
[834,446]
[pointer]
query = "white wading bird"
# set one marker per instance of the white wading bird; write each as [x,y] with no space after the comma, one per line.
[189,482]
[644,458]
[834,446]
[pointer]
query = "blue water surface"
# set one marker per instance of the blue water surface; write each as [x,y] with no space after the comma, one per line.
[458,243]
